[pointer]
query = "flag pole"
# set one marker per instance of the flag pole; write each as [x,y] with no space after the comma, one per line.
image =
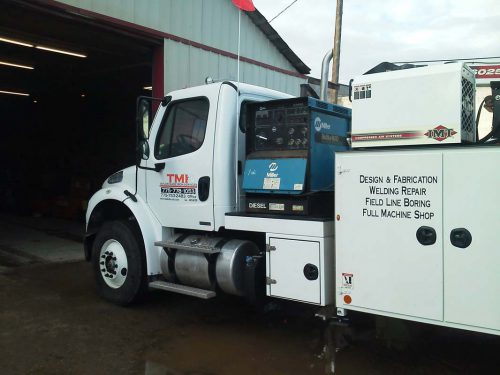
[236,145]
[239,43]
[246,5]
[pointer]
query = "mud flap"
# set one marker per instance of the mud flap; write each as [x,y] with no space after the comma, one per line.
[88,240]
[255,279]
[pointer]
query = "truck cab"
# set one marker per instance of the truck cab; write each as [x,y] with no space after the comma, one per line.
[186,179]
[201,144]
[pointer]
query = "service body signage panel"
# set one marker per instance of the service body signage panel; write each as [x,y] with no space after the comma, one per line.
[382,200]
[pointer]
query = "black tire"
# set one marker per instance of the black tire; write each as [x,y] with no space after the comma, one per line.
[135,285]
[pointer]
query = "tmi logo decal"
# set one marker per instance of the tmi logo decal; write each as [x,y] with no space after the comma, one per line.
[273,167]
[440,133]
[319,124]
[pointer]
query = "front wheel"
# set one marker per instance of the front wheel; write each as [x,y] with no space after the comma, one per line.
[118,263]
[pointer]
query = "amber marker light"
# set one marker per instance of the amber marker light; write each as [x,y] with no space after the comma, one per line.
[347,299]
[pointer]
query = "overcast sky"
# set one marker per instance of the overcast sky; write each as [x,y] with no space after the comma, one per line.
[387,30]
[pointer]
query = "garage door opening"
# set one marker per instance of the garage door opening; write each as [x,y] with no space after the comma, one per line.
[68,87]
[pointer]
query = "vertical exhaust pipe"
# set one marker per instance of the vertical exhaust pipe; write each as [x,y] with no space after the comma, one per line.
[325,69]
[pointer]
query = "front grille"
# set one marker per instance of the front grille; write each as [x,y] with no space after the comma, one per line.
[468,121]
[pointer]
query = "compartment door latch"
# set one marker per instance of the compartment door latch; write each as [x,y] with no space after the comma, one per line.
[460,237]
[426,235]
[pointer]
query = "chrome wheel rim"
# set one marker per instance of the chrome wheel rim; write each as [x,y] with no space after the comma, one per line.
[113,263]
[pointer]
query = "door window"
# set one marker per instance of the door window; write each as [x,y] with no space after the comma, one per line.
[183,128]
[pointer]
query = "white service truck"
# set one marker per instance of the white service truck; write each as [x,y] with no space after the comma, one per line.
[402,220]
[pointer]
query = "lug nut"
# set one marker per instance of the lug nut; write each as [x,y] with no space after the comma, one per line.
[114,258]
[103,270]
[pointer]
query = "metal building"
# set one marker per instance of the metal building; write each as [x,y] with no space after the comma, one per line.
[71,70]
[200,39]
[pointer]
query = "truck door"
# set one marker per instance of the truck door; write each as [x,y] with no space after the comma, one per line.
[181,194]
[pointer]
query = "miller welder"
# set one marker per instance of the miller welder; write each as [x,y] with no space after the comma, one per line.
[291,145]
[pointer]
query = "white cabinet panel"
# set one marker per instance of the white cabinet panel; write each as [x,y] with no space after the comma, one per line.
[382,199]
[286,266]
[471,201]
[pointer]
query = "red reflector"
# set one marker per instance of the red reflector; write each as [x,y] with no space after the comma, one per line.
[347,299]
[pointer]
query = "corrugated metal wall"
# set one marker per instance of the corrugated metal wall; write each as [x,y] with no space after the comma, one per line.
[210,22]
[187,66]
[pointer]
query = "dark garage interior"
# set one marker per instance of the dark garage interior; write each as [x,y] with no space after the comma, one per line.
[67,121]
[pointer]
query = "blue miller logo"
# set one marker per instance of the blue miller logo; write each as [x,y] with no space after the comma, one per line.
[319,124]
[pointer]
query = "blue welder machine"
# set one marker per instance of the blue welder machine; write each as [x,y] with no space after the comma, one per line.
[291,145]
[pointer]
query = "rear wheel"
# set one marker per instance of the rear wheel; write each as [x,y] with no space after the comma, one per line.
[118,263]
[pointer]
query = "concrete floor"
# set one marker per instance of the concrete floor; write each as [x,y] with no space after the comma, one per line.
[52,322]
[27,240]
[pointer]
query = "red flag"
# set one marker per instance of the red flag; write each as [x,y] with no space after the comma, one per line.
[246,5]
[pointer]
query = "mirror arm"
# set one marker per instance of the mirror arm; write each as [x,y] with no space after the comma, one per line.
[158,167]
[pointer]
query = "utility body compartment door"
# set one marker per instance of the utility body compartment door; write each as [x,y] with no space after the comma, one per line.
[294,269]
[471,202]
[382,201]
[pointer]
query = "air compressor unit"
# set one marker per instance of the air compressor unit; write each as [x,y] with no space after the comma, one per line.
[431,105]
[291,145]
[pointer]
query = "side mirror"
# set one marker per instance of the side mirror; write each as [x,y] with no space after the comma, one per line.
[142,151]
[143,118]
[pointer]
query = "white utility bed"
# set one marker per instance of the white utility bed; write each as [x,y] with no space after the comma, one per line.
[417,235]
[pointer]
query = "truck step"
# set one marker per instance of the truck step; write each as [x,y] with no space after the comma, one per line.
[188,247]
[182,289]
